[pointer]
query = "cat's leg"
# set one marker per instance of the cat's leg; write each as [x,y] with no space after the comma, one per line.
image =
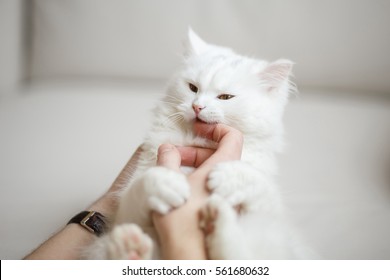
[158,189]
[224,237]
[124,242]
[255,235]
[244,187]
[259,229]
[166,189]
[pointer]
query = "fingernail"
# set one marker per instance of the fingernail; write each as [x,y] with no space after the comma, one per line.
[165,148]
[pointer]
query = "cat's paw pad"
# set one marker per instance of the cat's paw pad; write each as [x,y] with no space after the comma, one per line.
[166,189]
[208,216]
[128,242]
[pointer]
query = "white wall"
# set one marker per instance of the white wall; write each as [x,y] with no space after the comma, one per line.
[336,43]
[10,44]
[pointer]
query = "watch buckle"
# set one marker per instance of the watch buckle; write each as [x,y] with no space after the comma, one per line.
[85,220]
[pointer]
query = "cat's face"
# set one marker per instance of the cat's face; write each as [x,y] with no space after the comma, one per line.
[218,86]
[216,89]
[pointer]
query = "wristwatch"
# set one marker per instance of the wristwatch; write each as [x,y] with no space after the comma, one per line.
[90,220]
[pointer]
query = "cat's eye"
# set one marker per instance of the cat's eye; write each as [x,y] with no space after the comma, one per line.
[225,96]
[193,87]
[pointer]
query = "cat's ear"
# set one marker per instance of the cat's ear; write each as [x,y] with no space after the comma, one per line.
[276,74]
[194,45]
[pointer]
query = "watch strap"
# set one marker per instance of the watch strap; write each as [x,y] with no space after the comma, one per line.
[91,220]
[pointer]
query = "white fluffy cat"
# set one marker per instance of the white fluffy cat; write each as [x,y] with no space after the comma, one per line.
[215,85]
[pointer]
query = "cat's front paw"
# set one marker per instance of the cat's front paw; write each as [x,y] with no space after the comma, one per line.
[229,180]
[210,213]
[240,184]
[128,242]
[218,220]
[166,189]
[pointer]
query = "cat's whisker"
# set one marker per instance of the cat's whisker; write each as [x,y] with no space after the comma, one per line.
[169,103]
[174,98]
[175,118]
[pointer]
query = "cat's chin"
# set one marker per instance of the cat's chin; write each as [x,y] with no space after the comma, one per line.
[198,119]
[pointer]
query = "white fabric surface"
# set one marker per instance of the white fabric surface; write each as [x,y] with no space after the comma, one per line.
[62,145]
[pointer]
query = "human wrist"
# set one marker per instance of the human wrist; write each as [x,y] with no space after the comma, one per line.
[106,205]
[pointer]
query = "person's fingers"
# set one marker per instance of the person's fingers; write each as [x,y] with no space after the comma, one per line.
[169,157]
[229,141]
[194,156]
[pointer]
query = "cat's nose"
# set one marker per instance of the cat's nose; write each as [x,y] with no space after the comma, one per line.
[197,108]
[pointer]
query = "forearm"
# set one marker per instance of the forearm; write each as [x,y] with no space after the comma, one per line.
[70,241]
[64,245]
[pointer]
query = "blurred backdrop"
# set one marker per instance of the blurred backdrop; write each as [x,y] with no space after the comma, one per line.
[78,79]
[335,44]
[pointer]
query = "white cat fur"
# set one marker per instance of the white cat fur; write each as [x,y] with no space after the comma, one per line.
[261,92]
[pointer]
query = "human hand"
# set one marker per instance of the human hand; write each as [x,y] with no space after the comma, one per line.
[179,232]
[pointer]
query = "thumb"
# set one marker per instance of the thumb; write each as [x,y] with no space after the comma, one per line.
[168,156]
